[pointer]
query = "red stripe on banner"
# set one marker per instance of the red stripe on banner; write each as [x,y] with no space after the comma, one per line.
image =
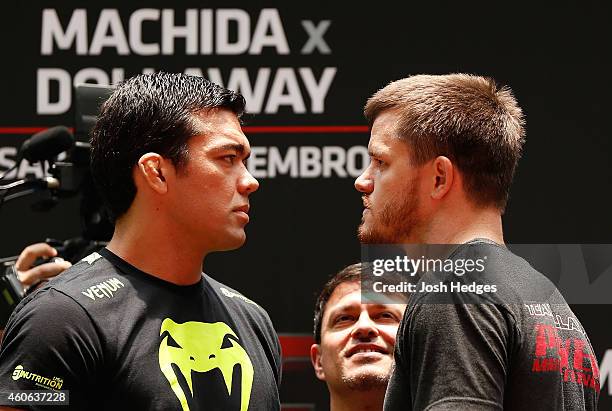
[296,345]
[25,130]
[246,129]
[21,130]
[305,129]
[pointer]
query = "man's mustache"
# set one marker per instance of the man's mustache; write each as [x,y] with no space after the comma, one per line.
[366,201]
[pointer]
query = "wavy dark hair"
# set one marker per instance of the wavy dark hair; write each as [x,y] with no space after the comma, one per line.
[149,113]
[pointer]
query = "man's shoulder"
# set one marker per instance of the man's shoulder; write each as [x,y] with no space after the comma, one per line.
[46,305]
[497,282]
[237,301]
[230,295]
[91,280]
[514,279]
[48,316]
[90,267]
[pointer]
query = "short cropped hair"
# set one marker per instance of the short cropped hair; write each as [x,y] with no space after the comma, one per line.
[349,274]
[469,119]
[149,113]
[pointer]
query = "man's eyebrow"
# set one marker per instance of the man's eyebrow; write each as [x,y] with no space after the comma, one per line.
[343,308]
[380,150]
[374,151]
[237,147]
[383,307]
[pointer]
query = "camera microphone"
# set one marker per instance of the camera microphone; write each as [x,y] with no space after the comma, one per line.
[46,144]
[36,183]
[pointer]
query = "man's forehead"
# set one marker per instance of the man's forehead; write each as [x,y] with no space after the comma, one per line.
[378,146]
[388,121]
[348,295]
[220,142]
[343,290]
[224,141]
[384,134]
[220,128]
[390,146]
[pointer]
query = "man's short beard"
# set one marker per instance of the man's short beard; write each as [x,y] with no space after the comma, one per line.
[373,236]
[366,382]
[396,221]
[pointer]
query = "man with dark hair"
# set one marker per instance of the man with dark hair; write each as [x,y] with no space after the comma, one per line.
[353,353]
[443,153]
[137,325]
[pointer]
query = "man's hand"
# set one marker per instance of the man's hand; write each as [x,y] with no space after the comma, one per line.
[29,275]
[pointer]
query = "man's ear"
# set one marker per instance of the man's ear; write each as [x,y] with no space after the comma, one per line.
[152,170]
[315,358]
[443,176]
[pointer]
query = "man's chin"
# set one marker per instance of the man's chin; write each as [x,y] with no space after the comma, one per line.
[363,233]
[232,242]
[367,379]
[368,236]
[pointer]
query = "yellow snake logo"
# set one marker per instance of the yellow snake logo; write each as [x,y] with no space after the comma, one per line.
[199,349]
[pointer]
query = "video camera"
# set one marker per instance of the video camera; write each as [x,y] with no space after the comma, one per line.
[64,158]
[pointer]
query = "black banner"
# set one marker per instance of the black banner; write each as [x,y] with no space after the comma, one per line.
[306,70]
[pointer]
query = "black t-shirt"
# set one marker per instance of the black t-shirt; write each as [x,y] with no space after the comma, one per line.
[520,348]
[118,338]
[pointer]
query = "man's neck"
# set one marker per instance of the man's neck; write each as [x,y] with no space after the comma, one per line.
[371,400]
[459,227]
[157,250]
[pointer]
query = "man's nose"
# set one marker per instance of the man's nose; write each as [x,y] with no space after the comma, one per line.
[247,183]
[364,182]
[365,328]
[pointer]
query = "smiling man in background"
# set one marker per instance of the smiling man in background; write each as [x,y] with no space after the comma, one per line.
[353,352]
